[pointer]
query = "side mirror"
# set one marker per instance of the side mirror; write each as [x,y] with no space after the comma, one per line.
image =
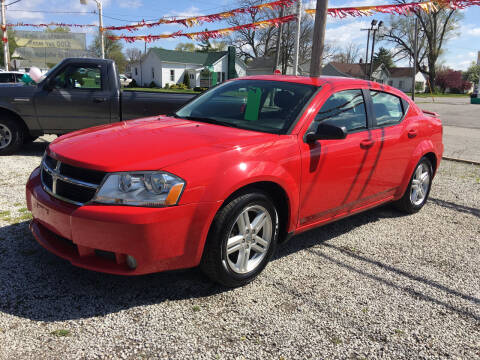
[326,131]
[49,85]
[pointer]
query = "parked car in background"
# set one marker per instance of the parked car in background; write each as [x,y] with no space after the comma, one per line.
[238,169]
[124,80]
[11,76]
[75,94]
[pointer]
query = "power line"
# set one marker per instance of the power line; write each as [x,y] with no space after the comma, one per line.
[14,2]
[53,12]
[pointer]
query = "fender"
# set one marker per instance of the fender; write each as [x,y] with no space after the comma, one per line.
[30,121]
[424,147]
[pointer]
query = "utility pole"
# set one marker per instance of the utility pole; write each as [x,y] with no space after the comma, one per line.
[373,23]
[5,37]
[373,47]
[100,24]
[297,38]
[279,38]
[415,50]
[318,38]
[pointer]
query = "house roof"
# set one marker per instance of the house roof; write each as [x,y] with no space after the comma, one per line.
[189,57]
[355,70]
[401,72]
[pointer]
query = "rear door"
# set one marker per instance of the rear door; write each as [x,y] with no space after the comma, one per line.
[397,138]
[80,98]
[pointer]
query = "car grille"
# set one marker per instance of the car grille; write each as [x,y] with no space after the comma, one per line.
[70,183]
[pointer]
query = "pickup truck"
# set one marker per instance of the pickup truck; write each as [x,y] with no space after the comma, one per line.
[75,94]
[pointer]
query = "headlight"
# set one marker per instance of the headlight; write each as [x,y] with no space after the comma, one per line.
[148,188]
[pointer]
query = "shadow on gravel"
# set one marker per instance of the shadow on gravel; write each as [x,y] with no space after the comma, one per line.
[321,235]
[456,207]
[33,149]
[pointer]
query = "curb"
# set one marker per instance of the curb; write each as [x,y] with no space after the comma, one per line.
[461,160]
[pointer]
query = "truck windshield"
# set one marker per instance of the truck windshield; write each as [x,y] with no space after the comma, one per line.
[260,105]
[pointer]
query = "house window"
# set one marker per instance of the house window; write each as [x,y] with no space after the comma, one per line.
[390,82]
[400,84]
[136,71]
[172,75]
[153,73]
[192,77]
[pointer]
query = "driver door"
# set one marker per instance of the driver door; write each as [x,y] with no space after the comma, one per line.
[77,99]
[335,173]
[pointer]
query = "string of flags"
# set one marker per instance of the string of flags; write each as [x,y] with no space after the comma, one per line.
[342,12]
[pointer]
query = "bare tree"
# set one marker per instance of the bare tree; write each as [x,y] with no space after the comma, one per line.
[436,27]
[133,54]
[349,54]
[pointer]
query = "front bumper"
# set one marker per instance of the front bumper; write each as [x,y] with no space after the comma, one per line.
[99,237]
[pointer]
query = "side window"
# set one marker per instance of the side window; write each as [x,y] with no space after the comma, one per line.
[4,78]
[344,108]
[172,75]
[387,108]
[79,77]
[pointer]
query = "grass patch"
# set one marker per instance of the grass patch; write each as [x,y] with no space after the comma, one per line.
[336,341]
[196,308]
[5,213]
[23,210]
[61,332]
[180,91]
[425,95]
[399,332]
[17,204]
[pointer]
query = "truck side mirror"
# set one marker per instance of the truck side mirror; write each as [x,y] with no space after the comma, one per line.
[326,131]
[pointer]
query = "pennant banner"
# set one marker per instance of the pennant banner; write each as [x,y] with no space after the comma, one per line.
[198,20]
[202,35]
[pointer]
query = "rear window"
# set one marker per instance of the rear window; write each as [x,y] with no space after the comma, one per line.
[387,108]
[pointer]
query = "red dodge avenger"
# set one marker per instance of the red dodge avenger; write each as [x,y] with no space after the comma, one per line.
[231,174]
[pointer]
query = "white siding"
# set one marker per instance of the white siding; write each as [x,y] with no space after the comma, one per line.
[241,71]
[144,70]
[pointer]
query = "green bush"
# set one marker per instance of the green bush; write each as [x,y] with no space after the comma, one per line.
[167,86]
[152,85]
[186,80]
[133,84]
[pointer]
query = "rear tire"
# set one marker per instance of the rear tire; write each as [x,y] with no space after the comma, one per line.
[242,239]
[11,135]
[418,188]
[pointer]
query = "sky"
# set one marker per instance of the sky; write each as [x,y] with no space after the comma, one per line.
[460,51]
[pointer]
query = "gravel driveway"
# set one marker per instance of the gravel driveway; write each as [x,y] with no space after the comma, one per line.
[377,285]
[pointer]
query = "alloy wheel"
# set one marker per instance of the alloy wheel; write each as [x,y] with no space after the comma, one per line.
[420,184]
[249,239]
[5,136]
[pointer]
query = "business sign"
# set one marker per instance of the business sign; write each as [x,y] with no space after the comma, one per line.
[42,39]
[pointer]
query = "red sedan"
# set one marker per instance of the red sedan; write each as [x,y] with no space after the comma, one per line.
[234,172]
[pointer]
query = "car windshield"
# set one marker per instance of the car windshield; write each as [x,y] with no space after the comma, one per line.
[267,106]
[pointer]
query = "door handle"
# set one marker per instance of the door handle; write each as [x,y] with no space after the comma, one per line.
[366,144]
[412,133]
[99,99]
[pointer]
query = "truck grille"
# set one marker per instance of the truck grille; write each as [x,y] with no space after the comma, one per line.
[69,183]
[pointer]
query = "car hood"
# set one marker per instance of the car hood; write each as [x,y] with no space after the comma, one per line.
[150,144]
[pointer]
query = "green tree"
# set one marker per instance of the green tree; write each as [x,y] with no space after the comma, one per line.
[186,79]
[472,74]
[113,50]
[206,45]
[58,29]
[383,56]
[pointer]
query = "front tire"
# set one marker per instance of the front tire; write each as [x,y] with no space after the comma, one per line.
[11,135]
[418,189]
[242,239]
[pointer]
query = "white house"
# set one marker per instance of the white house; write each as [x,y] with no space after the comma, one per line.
[204,69]
[399,77]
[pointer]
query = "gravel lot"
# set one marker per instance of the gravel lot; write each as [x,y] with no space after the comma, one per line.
[377,285]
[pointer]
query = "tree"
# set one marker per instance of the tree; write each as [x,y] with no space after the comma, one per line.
[254,43]
[185,47]
[133,54]
[383,56]
[435,29]
[113,50]
[472,74]
[348,55]
[206,45]
[452,80]
[58,29]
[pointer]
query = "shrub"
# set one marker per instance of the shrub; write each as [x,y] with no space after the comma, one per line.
[133,84]
[167,86]
[198,88]
[186,80]
[152,85]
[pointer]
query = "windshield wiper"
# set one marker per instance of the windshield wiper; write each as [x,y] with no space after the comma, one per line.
[209,121]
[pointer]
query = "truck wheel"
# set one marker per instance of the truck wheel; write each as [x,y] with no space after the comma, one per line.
[11,135]
[418,189]
[241,241]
